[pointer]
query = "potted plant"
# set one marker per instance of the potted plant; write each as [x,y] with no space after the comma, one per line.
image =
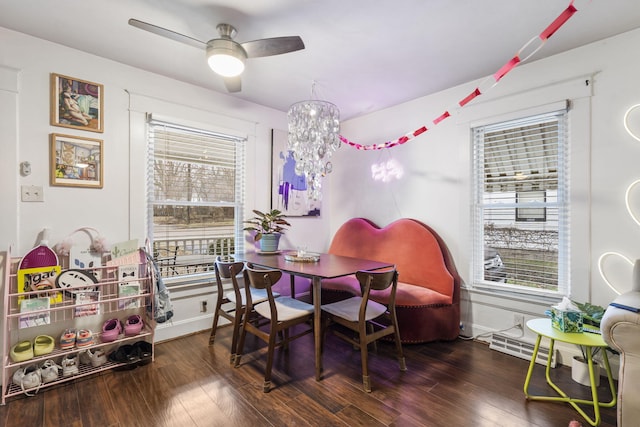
[268,227]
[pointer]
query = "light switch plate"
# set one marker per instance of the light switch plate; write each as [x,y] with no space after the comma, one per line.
[32,193]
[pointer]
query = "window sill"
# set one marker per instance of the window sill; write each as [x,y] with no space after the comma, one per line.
[537,298]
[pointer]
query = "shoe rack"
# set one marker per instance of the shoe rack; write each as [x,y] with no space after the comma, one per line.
[65,312]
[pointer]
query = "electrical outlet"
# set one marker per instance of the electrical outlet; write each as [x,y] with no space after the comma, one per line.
[518,320]
[32,193]
[203,307]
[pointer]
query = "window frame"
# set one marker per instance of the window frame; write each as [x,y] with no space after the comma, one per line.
[561,203]
[239,145]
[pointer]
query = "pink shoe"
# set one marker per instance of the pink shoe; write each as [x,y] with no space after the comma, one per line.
[133,325]
[110,330]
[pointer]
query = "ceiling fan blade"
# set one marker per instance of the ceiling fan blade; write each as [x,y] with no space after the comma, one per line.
[167,33]
[233,84]
[272,46]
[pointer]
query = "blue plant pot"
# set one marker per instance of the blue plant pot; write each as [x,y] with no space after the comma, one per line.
[269,242]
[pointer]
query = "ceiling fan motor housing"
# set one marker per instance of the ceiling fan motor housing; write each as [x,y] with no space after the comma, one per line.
[226,57]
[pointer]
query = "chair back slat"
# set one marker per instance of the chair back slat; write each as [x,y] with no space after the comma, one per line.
[262,278]
[379,280]
[222,265]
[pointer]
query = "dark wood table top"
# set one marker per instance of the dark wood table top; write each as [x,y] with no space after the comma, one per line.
[329,266]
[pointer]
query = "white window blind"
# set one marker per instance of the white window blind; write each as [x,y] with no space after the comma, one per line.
[195,184]
[520,204]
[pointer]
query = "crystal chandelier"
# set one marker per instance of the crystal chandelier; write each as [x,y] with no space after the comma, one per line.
[314,129]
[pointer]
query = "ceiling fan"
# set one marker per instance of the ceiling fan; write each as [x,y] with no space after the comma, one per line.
[225,56]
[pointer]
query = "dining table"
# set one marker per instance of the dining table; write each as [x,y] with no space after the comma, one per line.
[323,266]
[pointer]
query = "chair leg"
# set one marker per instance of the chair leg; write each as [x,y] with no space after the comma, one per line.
[396,334]
[267,373]
[285,340]
[237,320]
[374,343]
[240,347]
[214,326]
[366,382]
[293,286]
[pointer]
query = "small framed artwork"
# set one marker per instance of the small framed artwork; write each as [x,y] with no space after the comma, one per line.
[76,161]
[288,188]
[77,104]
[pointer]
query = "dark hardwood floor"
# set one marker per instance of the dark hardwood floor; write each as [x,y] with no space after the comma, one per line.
[460,383]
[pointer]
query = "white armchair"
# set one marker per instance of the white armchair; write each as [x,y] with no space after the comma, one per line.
[621,331]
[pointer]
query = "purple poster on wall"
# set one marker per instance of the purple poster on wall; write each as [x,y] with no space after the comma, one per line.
[288,189]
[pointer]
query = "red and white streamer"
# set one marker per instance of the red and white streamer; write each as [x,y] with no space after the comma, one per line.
[485,85]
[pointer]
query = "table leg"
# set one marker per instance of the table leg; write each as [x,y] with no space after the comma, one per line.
[317,326]
[532,364]
[563,396]
[612,386]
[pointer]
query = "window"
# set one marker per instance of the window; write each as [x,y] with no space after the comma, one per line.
[520,204]
[195,182]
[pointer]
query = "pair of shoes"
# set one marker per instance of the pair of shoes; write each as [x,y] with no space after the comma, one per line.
[112,328]
[70,365]
[133,325]
[28,378]
[95,358]
[24,350]
[71,338]
[49,371]
[132,356]
[32,376]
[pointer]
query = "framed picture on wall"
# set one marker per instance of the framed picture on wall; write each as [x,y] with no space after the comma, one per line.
[76,161]
[288,189]
[77,104]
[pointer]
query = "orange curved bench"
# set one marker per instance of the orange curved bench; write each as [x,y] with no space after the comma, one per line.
[428,295]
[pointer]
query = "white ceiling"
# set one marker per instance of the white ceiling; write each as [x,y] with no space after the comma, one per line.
[364,55]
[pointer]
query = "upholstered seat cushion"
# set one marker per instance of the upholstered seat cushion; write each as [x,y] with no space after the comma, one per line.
[406,295]
[257,296]
[287,308]
[349,309]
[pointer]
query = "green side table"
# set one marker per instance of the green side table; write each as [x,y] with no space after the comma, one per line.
[543,328]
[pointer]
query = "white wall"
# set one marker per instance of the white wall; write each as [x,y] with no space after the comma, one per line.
[435,187]
[117,210]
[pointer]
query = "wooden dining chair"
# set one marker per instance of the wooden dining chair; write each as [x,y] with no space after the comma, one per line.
[282,313]
[369,319]
[232,304]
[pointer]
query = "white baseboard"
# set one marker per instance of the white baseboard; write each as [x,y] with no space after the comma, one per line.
[171,330]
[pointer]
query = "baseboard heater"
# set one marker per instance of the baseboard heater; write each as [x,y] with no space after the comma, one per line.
[521,349]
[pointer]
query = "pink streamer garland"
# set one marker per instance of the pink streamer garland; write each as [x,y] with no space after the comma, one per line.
[506,68]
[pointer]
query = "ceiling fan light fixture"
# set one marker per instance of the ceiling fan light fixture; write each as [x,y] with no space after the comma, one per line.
[226,57]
